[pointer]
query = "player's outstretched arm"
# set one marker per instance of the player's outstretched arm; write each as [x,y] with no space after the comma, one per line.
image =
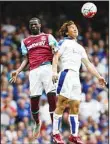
[16,72]
[91,68]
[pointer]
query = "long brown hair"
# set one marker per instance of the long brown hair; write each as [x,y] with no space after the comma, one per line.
[64,28]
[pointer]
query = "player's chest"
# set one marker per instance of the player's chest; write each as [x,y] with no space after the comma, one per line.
[37,42]
[72,49]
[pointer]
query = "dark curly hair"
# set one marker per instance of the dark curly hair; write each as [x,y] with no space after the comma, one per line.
[64,28]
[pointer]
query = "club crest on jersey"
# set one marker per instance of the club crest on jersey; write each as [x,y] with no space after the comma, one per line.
[75,51]
[41,43]
[43,38]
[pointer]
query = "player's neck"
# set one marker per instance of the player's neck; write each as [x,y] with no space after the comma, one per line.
[34,34]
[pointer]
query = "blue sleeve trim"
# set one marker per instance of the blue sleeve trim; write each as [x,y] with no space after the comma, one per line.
[23,48]
[52,40]
[60,42]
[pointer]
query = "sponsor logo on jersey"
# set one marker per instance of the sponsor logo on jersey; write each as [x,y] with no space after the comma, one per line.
[41,43]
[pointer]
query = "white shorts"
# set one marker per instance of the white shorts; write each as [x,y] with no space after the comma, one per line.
[41,79]
[69,85]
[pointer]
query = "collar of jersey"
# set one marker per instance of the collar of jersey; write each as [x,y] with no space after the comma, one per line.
[68,38]
[37,34]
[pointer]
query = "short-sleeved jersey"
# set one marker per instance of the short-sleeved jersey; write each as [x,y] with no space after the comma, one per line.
[38,49]
[71,54]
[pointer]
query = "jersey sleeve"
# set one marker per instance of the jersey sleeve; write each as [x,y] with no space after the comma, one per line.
[52,41]
[23,48]
[61,46]
[83,53]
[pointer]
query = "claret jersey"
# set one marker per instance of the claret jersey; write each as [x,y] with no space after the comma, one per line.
[38,48]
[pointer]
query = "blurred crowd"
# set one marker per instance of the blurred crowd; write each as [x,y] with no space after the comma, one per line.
[16,119]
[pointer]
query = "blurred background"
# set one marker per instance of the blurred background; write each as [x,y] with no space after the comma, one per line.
[16,119]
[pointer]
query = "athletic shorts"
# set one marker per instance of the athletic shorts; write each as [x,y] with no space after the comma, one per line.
[41,79]
[69,85]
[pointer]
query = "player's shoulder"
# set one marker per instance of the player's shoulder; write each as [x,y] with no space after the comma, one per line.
[61,42]
[49,36]
[43,34]
[65,41]
[80,46]
[26,39]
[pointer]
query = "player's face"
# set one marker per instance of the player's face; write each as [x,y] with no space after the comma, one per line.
[34,27]
[72,31]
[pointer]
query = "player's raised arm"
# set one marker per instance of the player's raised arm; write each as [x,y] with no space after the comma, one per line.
[91,68]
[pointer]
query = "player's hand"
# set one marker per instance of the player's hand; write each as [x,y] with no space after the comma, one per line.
[54,77]
[102,82]
[14,75]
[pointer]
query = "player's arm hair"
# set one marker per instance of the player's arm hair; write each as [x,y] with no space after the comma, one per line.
[23,64]
[90,67]
[55,62]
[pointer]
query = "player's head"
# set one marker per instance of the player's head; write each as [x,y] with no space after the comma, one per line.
[35,25]
[69,29]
